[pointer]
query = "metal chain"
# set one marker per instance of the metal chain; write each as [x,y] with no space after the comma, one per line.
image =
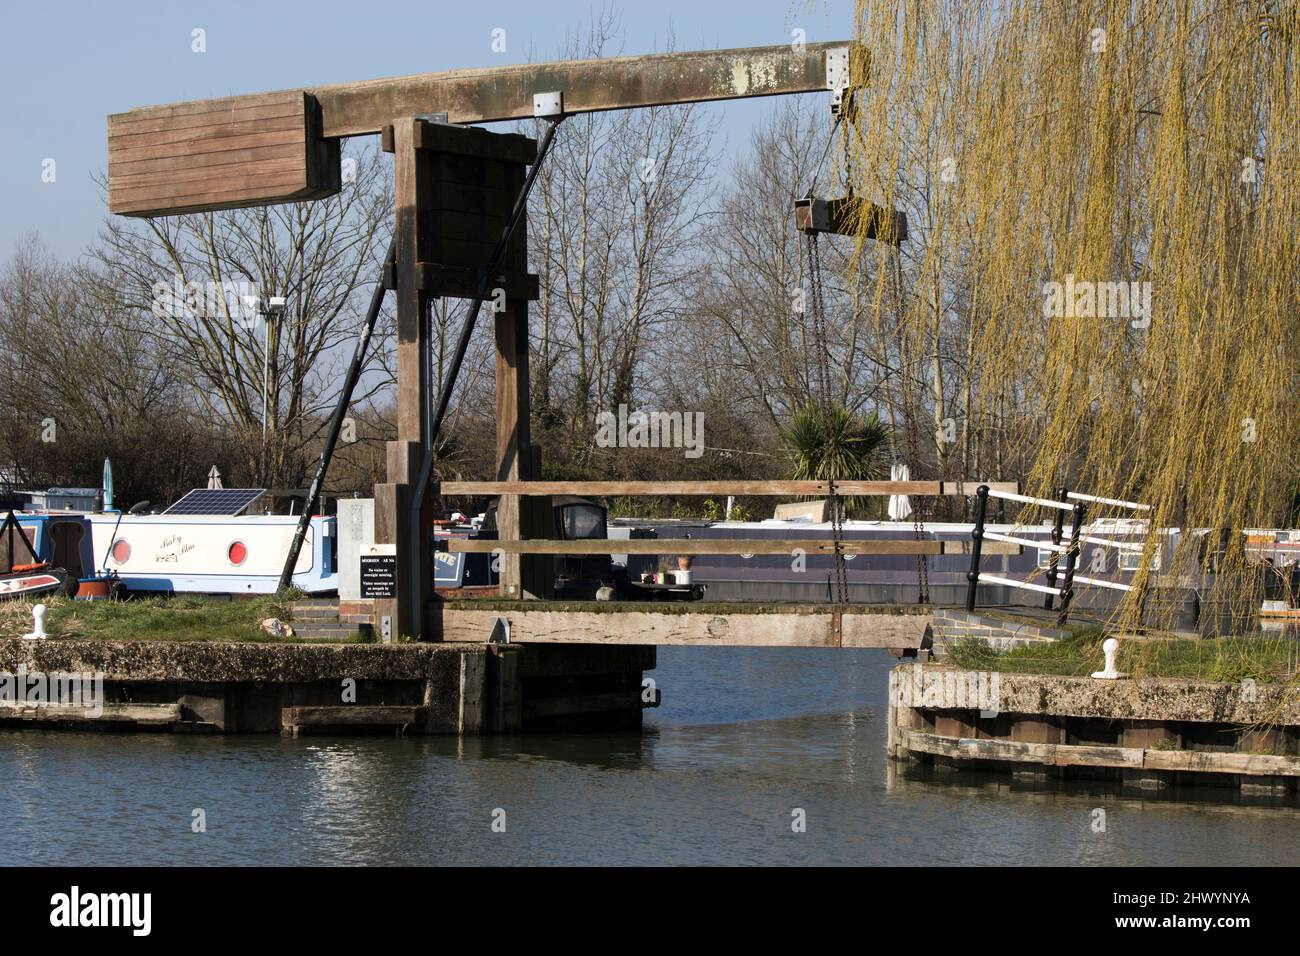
[824,388]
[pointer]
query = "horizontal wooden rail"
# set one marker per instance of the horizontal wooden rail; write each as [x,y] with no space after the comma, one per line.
[711,546]
[697,623]
[722,488]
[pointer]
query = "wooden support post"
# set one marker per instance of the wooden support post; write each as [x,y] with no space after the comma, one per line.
[1149,735]
[521,576]
[407,612]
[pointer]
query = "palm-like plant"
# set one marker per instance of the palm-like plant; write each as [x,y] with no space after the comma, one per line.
[832,442]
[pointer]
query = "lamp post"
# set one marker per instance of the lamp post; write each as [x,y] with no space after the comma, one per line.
[274,309]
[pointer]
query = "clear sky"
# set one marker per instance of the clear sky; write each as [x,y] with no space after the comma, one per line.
[64,66]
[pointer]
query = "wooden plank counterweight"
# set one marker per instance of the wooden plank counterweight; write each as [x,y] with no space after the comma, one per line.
[220,154]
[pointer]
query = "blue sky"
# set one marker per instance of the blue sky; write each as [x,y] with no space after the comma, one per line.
[65,66]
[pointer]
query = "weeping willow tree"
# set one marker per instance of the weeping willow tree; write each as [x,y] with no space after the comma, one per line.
[1100,282]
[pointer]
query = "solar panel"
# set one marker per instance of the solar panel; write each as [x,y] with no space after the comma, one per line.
[215,501]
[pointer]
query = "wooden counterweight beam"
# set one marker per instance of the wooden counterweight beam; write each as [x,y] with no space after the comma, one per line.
[506,93]
[280,147]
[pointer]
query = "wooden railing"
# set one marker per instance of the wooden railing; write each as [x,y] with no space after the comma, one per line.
[745,546]
[847,489]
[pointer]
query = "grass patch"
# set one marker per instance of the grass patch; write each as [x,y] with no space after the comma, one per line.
[180,618]
[1269,660]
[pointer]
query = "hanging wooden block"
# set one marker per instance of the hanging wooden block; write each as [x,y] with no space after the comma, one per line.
[842,216]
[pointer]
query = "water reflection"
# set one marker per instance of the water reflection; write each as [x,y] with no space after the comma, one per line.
[745,738]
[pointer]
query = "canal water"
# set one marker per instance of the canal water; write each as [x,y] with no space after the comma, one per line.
[749,743]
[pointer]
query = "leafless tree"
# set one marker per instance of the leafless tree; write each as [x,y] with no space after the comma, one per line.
[320,256]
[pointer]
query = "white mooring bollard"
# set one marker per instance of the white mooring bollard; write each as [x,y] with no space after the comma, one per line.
[38,624]
[1111,647]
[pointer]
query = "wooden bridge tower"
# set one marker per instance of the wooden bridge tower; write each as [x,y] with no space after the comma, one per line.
[455,185]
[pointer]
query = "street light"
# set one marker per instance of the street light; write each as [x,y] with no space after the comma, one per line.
[274,309]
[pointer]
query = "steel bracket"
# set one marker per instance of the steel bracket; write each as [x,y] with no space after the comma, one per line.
[837,77]
[500,631]
[548,104]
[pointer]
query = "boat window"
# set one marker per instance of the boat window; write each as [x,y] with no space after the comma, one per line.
[1132,560]
[582,522]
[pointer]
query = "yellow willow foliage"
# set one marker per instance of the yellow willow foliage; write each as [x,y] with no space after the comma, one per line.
[1046,152]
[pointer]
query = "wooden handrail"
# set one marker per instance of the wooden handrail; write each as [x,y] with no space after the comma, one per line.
[743,546]
[721,488]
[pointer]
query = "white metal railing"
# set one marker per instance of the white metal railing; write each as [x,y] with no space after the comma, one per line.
[1011,583]
[1117,502]
[1076,503]
[1029,500]
[1111,543]
[1026,542]
[1097,583]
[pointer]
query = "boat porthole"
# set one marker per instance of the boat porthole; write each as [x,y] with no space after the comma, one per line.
[237,553]
[121,551]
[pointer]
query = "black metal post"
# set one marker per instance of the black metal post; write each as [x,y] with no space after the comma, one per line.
[1054,561]
[1071,559]
[977,544]
[336,423]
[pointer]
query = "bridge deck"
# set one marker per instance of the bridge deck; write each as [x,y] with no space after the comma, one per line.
[686,623]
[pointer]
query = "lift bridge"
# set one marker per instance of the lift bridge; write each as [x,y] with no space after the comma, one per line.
[461,231]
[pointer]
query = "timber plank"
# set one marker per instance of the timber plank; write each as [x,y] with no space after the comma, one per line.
[695,624]
[163,177]
[165,164]
[142,714]
[742,546]
[190,136]
[274,172]
[122,125]
[644,627]
[230,140]
[1056,755]
[884,630]
[738,488]
[1197,761]
[506,93]
[166,113]
[1082,755]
